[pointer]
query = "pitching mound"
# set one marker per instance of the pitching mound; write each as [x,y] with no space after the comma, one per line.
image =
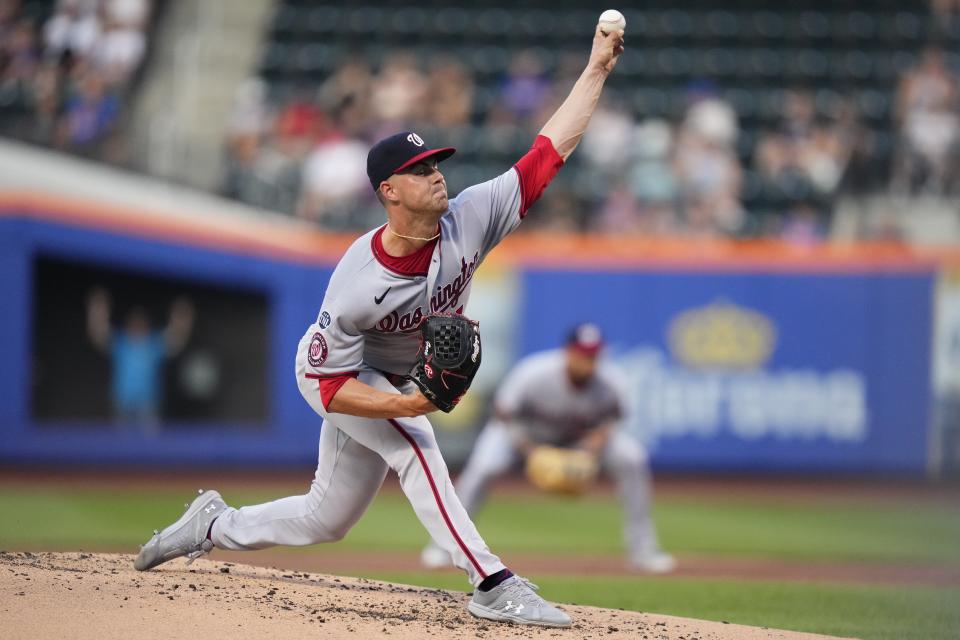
[101,597]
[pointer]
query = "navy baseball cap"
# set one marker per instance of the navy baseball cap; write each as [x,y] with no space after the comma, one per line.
[398,152]
[586,338]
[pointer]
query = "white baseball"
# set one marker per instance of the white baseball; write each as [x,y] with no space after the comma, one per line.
[612,20]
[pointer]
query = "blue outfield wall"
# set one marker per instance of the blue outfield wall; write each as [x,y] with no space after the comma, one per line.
[752,371]
[725,371]
[294,292]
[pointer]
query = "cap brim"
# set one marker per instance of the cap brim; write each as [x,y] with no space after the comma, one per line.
[440,154]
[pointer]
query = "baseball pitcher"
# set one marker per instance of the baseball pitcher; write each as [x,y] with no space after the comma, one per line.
[354,362]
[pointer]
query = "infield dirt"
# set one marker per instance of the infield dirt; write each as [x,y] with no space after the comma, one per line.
[101,597]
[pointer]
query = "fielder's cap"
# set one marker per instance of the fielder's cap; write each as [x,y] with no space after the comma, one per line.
[398,152]
[586,338]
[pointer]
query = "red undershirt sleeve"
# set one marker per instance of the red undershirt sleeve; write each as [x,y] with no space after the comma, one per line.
[536,169]
[329,385]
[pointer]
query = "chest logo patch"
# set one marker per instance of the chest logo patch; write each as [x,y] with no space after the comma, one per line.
[318,350]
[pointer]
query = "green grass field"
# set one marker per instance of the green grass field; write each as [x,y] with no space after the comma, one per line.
[881,531]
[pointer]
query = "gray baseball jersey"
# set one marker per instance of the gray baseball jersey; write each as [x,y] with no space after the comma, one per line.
[538,397]
[371,311]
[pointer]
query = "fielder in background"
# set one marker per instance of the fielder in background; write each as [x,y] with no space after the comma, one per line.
[355,360]
[560,412]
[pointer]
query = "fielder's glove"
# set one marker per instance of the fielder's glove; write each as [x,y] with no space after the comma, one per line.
[567,471]
[448,359]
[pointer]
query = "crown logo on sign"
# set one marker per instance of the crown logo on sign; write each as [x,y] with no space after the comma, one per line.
[722,335]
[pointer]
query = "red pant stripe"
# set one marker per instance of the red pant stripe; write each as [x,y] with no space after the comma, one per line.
[436,496]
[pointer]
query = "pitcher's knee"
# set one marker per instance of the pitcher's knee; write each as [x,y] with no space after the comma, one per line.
[337,533]
[317,531]
[321,527]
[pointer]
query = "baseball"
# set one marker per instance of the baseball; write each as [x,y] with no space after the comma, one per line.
[611,20]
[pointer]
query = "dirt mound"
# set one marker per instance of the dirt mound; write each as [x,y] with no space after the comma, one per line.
[101,597]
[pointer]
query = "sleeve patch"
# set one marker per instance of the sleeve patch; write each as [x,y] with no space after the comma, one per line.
[318,352]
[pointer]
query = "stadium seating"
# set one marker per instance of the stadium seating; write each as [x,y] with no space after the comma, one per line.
[753,50]
[15,97]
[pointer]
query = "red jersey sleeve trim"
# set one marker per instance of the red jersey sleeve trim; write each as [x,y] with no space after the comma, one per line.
[536,169]
[330,385]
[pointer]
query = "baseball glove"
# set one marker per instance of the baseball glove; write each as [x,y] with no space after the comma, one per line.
[567,471]
[448,359]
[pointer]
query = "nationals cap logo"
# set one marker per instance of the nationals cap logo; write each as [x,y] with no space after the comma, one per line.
[317,354]
[415,139]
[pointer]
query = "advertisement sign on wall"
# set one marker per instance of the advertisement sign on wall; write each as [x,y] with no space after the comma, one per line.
[805,372]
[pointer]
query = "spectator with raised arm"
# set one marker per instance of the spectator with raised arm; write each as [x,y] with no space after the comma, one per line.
[137,353]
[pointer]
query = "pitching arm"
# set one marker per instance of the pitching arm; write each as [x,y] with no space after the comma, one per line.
[566,126]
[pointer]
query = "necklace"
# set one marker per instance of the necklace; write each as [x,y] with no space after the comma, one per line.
[413,237]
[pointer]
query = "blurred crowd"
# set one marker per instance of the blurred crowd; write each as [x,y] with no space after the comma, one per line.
[928,120]
[70,71]
[307,154]
[304,153]
[699,168]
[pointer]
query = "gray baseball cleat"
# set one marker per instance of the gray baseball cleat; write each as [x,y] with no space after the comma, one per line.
[185,537]
[514,600]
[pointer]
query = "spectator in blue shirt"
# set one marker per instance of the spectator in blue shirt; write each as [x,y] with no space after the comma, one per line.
[137,353]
